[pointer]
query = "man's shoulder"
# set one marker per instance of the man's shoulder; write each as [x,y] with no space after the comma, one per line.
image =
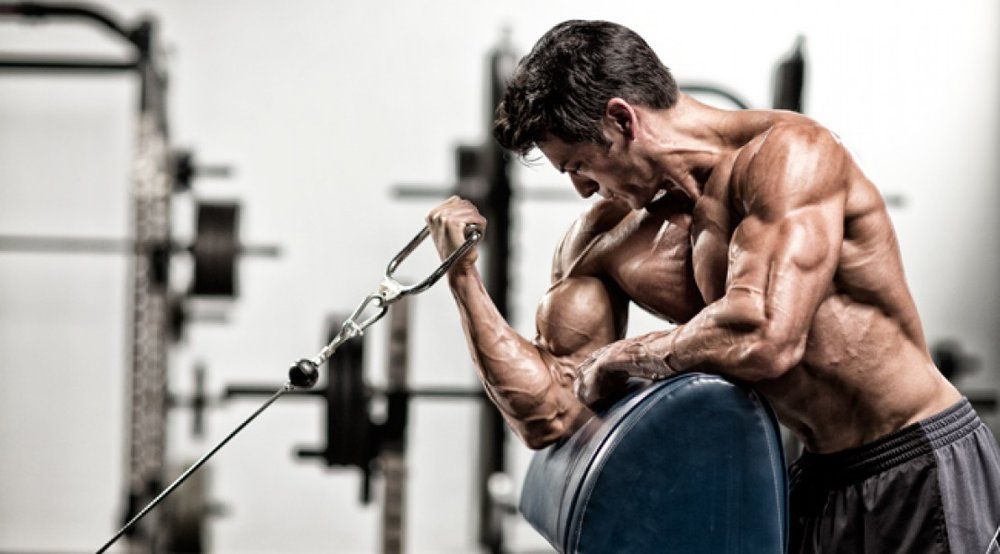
[797,155]
[787,137]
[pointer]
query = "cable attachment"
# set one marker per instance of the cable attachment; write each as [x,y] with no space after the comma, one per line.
[389,290]
[304,373]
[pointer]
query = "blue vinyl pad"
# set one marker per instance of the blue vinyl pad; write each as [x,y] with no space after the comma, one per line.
[690,465]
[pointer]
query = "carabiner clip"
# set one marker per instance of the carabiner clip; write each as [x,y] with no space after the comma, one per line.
[357,329]
[472,235]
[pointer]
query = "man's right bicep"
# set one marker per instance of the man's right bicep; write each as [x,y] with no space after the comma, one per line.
[577,316]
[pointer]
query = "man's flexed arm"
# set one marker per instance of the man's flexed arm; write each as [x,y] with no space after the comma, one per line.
[530,382]
[782,259]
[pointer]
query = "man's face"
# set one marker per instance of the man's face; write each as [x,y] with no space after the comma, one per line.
[609,172]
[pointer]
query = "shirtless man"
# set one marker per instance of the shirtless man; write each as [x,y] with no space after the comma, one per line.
[758,234]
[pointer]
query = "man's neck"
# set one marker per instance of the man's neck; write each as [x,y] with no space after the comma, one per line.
[686,142]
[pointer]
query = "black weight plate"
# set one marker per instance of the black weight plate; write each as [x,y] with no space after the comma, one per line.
[215,250]
[349,426]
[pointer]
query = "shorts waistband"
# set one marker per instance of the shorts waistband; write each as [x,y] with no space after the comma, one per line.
[896,448]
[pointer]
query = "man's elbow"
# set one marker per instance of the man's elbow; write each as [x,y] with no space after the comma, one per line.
[541,436]
[766,348]
[539,433]
[538,442]
[772,357]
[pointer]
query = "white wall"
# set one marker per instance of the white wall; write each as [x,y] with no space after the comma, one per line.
[322,107]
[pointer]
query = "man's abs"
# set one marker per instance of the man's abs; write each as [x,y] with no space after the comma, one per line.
[860,379]
[866,371]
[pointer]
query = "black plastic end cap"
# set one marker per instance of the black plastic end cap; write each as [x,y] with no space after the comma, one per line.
[303,374]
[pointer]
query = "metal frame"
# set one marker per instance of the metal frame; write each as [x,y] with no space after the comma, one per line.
[150,193]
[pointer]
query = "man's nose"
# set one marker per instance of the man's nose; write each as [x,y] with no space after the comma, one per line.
[584,186]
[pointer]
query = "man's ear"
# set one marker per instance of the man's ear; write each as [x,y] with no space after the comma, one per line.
[620,118]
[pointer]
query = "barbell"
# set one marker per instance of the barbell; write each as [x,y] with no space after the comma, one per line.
[214,250]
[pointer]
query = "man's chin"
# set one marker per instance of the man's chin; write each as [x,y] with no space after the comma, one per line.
[637,204]
[633,203]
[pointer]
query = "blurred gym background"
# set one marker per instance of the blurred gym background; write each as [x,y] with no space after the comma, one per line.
[332,124]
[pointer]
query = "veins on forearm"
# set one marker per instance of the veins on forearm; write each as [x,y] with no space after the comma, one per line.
[722,338]
[512,369]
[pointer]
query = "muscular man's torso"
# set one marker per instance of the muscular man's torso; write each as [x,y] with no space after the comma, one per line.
[865,371]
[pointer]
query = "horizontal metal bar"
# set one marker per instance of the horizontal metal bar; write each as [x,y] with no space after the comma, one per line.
[541,194]
[233,391]
[260,250]
[96,245]
[66,245]
[421,191]
[443,392]
[38,11]
[39,64]
[421,392]
[708,88]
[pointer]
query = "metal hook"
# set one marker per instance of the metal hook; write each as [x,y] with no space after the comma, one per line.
[472,235]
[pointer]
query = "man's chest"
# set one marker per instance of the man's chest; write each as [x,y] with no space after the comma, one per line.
[656,265]
[672,264]
[711,233]
[713,220]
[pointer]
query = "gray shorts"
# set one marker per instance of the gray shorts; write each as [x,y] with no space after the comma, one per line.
[933,486]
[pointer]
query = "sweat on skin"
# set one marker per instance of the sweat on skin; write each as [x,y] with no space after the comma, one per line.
[758,212]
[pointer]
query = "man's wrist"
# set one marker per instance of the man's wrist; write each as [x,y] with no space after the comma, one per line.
[461,274]
[671,358]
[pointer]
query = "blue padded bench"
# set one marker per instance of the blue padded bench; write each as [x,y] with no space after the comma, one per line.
[690,465]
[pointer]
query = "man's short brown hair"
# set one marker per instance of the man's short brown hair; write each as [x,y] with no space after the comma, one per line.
[563,85]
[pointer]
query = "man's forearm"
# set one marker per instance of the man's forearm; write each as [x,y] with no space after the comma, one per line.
[720,339]
[513,370]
